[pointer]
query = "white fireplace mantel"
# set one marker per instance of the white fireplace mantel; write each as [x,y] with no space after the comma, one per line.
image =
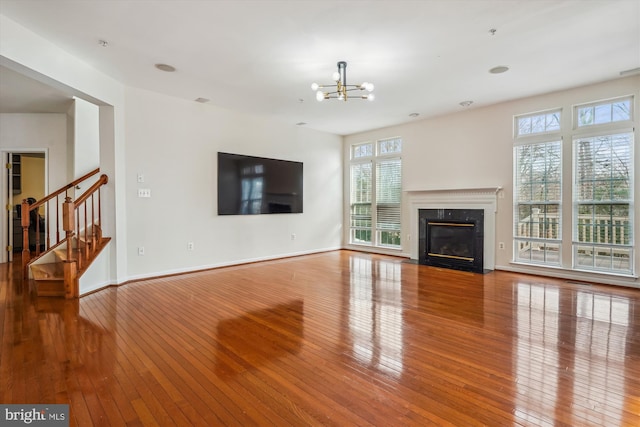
[457,198]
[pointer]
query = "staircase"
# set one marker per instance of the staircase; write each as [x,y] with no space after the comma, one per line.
[73,239]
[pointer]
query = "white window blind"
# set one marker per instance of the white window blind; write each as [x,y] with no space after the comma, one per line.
[388,200]
[376,193]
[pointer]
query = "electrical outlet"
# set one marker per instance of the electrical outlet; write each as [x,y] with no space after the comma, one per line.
[140,177]
[190,246]
[140,250]
[501,245]
[293,236]
[144,192]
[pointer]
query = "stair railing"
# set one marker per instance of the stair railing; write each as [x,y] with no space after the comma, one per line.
[88,222]
[87,230]
[52,206]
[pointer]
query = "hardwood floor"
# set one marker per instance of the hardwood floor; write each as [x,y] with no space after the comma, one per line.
[339,338]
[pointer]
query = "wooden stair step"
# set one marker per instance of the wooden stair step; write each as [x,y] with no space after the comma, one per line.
[50,271]
[61,254]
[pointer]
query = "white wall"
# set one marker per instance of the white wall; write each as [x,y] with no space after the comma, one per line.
[86,147]
[174,143]
[474,149]
[33,133]
[38,132]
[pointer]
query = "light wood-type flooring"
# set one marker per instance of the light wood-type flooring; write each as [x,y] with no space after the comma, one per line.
[338,338]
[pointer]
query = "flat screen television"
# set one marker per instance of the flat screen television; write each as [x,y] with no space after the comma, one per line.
[250,185]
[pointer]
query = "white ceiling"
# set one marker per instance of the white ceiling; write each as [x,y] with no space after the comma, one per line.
[261,56]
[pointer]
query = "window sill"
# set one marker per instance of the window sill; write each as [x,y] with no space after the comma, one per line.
[573,274]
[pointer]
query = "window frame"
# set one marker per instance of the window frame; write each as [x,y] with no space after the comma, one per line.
[542,244]
[374,158]
[616,122]
[600,131]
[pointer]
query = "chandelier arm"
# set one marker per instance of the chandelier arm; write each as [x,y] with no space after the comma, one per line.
[341,86]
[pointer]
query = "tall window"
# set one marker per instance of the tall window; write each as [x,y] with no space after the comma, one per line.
[602,168]
[603,188]
[538,189]
[376,193]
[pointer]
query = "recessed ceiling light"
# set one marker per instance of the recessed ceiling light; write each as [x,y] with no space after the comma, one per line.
[103,43]
[202,100]
[414,115]
[499,69]
[165,67]
[466,103]
[301,123]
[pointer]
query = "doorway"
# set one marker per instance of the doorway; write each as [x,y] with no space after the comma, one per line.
[25,178]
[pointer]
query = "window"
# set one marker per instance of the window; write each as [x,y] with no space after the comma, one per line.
[538,189]
[376,193]
[537,202]
[602,195]
[538,123]
[600,237]
[604,112]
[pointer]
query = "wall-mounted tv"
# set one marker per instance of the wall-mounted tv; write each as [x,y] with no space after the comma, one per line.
[250,185]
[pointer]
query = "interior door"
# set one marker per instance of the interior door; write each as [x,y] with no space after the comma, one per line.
[25,177]
[8,211]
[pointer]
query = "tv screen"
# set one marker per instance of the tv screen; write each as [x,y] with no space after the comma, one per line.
[250,185]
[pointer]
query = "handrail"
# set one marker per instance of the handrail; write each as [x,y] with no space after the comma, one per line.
[99,183]
[63,189]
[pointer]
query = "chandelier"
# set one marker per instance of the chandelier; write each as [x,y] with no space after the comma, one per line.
[342,88]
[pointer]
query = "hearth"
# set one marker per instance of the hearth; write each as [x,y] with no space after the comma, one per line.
[452,238]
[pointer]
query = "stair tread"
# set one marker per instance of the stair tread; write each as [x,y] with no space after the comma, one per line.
[50,271]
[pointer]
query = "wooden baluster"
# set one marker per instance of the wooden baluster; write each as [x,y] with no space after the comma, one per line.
[100,211]
[57,220]
[79,248]
[86,239]
[24,222]
[70,268]
[37,233]
[93,224]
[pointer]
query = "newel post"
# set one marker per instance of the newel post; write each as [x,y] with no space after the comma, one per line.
[70,268]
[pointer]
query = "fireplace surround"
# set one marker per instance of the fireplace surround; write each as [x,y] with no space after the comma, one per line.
[452,238]
[483,198]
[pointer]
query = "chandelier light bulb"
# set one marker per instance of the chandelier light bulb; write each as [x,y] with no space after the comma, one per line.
[341,90]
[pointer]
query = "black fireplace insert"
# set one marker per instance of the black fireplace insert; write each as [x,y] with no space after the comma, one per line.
[452,238]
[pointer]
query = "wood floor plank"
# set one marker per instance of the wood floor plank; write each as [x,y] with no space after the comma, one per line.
[337,338]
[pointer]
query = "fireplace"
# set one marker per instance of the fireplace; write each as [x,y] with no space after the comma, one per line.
[452,238]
